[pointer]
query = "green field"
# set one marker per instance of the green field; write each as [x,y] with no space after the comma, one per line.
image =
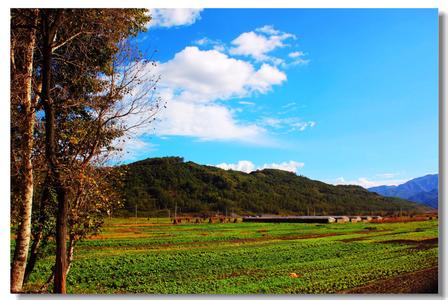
[138,256]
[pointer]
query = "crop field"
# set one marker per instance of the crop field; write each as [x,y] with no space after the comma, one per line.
[155,257]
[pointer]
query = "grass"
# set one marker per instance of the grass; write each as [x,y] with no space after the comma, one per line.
[138,256]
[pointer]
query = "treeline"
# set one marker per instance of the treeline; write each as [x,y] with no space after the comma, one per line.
[158,184]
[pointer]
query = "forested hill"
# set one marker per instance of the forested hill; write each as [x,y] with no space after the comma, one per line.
[161,183]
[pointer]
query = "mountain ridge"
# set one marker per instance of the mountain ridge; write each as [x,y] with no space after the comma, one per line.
[164,183]
[422,190]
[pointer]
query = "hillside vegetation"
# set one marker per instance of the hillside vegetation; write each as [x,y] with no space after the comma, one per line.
[162,183]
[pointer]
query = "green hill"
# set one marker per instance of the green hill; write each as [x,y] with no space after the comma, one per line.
[161,183]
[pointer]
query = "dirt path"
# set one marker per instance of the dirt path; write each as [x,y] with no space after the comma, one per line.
[423,281]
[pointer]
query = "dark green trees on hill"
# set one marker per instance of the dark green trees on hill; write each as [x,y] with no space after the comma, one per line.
[161,183]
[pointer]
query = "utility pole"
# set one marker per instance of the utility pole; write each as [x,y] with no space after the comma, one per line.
[136,214]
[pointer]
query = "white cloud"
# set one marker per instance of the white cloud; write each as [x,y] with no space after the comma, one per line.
[195,81]
[367,183]
[273,122]
[257,45]
[292,124]
[243,166]
[268,29]
[295,54]
[297,59]
[219,47]
[192,83]
[195,75]
[265,77]
[214,44]
[246,102]
[277,61]
[301,126]
[206,122]
[203,41]
[291,166]
[248,166]
[169,17]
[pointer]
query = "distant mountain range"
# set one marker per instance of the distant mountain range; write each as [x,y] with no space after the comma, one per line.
[423,190]
[158,184]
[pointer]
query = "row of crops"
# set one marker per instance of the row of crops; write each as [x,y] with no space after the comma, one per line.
[245,258]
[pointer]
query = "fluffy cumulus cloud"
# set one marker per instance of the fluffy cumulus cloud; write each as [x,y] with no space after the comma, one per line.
[197,82]
[290,166]
[206,122]
[243,166]
[367,183]
[169,17]
[265,77]
[260,42]
[248,166]
[207,75]
[194,80]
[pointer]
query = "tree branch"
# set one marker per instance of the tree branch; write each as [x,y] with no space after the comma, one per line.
[59,45]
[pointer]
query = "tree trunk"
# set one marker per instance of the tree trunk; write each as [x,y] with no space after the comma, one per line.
[61,239]
[38,236]
[35,247]
[49,29]
[71,252]
[71,248]
[26,190]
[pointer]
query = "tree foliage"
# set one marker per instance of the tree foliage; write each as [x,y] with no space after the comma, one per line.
[91,87]
[160,183]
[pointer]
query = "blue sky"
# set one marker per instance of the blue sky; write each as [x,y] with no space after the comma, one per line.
[342,96]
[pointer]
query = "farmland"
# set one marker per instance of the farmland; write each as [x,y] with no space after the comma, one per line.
[153,256]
